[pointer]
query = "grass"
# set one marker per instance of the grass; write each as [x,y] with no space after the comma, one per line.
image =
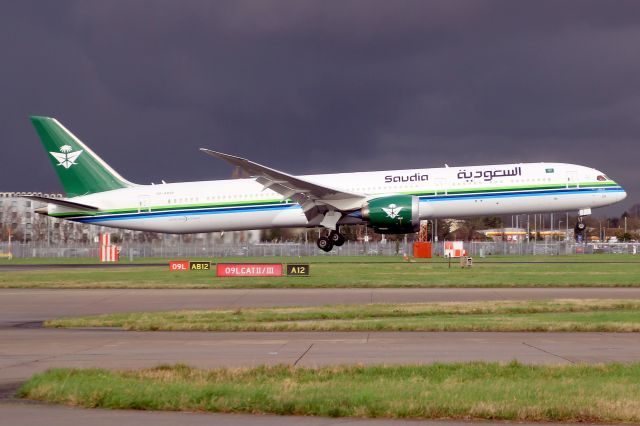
[327,273]
[254,259]
[323,258]
[466,391]
[556,315]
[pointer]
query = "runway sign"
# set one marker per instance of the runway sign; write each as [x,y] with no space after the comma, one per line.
[454,249]
[199,266]
[179,265]
[249,270]
[298,270]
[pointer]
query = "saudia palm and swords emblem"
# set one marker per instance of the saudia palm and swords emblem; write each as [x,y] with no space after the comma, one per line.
[65,157]
[393,211]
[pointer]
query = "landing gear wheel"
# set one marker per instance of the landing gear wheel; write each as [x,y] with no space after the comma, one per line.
[337,239]
[580,230]
[324,244]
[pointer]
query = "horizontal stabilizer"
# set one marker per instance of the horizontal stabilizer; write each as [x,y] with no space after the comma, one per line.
[61,202]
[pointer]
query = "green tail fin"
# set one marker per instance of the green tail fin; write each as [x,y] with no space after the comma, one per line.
[80,170]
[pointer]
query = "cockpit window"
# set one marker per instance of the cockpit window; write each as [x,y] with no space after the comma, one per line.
[602,178]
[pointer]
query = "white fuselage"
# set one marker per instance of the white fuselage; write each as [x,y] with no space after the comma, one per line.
[449,192]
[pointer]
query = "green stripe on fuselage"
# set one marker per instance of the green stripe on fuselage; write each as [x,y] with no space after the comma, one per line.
[278,201]
[511,188]
[171,207]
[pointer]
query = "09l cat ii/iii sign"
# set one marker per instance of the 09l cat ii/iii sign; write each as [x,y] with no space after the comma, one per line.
[249,270]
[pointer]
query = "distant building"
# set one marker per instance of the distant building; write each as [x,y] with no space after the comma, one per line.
[516,235]
[18,217]
[19,220]
[505,234]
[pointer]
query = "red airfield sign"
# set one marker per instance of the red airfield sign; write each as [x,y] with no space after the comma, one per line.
[249,269]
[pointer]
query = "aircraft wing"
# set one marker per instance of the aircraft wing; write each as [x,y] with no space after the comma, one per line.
[313,197]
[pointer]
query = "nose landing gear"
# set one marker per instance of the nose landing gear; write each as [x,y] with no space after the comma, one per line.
[579,230]
[335,238]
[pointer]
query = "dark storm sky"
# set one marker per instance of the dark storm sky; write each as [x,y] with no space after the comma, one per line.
[324,86]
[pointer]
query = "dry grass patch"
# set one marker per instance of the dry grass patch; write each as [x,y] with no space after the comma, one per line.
[553,315]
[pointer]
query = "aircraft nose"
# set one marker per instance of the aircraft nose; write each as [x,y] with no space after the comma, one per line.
[622,194]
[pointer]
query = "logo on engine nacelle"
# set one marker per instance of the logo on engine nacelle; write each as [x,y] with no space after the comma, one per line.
[393,211]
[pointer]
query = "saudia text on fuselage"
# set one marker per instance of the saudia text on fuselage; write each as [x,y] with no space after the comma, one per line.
[416,177]
[488,175]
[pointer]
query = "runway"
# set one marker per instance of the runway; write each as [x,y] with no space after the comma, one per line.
[48,266]
[27,348]
[25,414]
[26,351]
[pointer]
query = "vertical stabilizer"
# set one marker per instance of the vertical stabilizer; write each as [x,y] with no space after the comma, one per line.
[80,170]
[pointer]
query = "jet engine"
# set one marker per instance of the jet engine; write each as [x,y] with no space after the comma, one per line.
[395,214]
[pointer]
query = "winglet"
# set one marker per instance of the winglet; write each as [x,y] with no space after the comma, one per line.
[249,166]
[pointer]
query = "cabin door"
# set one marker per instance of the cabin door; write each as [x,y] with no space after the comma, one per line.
[441,186]
[572,179]
[144,203]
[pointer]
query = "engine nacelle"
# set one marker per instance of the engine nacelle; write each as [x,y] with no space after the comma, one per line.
[395,214]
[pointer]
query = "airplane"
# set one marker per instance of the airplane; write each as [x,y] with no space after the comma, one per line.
[389,202]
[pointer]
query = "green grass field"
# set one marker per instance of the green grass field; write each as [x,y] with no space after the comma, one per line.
[368,272]
[323,258]
[469,391]
[255,259]
[556,315]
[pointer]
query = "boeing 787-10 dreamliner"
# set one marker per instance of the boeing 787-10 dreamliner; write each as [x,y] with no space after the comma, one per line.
[390,202]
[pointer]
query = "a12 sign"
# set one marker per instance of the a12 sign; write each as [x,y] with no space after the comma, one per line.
[298,270]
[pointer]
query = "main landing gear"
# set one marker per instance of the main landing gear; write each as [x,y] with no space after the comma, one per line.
[326,243]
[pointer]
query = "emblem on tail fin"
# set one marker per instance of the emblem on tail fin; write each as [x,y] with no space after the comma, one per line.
[65,157]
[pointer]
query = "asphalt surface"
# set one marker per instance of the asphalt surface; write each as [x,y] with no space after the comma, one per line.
[21,414]
[47,266]
[26,348]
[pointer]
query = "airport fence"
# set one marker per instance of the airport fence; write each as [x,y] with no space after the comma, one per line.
[131,251]
[481,249]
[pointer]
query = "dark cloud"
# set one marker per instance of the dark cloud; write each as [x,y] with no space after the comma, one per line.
[314,87]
